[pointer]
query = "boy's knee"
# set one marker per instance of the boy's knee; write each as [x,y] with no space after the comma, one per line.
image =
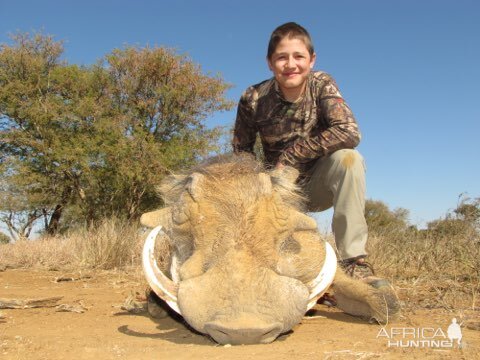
[336,173]
[348,161]
[347,158]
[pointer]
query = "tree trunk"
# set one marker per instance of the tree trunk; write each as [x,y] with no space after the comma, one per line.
[55,220]
[58,211]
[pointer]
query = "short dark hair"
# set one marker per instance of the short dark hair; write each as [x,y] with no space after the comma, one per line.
[293,31]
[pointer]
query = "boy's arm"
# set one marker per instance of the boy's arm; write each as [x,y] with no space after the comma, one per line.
[342,131]
[244,134]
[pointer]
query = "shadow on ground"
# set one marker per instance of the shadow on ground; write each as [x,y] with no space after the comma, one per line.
[173,328]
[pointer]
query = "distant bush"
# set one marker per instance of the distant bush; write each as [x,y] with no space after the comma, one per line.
[4,239]
[381,219]
[465,219]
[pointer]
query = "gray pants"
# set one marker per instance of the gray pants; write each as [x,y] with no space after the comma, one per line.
[338,180]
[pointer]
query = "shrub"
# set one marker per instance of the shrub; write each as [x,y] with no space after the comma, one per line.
[4,238]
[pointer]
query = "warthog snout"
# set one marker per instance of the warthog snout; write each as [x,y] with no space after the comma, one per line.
[243,332]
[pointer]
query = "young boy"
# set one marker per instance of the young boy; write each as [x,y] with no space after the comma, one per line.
[304,122]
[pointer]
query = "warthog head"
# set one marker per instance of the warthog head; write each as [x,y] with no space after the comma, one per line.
[245,263]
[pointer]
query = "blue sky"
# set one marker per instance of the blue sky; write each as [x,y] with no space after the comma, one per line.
[410,71]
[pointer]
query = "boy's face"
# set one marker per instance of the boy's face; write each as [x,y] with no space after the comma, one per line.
[291,63]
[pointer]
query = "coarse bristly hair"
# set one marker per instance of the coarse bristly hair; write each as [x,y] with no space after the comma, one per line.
[231,166]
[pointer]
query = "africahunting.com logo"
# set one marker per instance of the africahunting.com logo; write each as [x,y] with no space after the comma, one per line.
[423,337]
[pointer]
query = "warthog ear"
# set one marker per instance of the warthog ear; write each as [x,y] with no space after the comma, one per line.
[158,217]
[195,185]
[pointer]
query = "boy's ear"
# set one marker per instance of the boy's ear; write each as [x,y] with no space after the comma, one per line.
[312,61]
[269,63]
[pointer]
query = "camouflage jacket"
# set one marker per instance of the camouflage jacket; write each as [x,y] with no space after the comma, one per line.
[295,134]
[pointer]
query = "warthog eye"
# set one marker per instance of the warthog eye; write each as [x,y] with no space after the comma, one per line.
[290,246]
[301,255]
[179,215]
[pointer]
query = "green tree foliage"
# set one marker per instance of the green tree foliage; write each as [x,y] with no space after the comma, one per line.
[85,143]
[464,220]
[380,219]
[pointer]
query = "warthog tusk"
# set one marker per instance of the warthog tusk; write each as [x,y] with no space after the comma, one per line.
[324,279]
[165,288]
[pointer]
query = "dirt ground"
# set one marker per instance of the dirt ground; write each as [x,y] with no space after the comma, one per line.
[105,331]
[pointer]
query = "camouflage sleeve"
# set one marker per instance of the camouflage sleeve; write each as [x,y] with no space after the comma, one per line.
[340,129]
[244,133]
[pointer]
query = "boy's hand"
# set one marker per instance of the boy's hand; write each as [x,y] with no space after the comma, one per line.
[279,166]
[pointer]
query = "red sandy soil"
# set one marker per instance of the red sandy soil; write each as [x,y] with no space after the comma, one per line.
[105,331]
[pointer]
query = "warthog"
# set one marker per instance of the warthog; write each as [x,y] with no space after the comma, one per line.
[246,263]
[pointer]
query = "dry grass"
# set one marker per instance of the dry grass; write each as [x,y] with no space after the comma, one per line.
[49,253]
[430,271]
[112,244]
